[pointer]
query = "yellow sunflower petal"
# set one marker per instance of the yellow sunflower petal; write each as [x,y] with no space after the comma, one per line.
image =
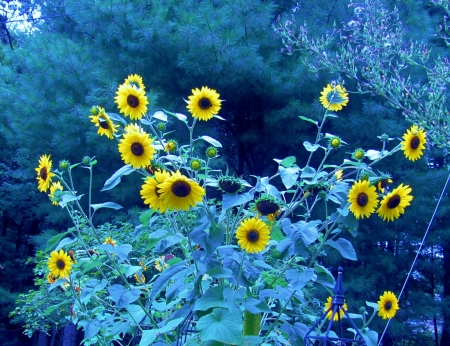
[104,123]
[414,143]
[59,264]
[333,98]
[131,101]
[204,103]
[394,203]
[363,199]
[44,174]
[387,305]
[253,235]
[136,149]
[339,314]
[150,192]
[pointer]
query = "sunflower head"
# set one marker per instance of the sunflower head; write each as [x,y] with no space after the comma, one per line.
[230,184]
[195,164]
[382,182]
[51,279]
[339,315]
[151,193]
[131,101]
[94,110]
[44,174]
[394,203]
[140,278]
[136,149]
[59,264]
[358,154]
[335,142]
[253,235]
[171,146]
[54,197]
[204,103]
[414,143]
[155,166]
[104,123]
[110,241]
[135,81]
[160,264]
[266,204]
[363,199]
[180,193]
[387,305]
[211,152]
[333,97]
[161,126]
[314,189]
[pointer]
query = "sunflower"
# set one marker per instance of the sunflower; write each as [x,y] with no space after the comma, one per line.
[394,203]
[338,174]
[363,199]
[253,235]
[382,183]
[140,279]
[110,240]
[51,279]
[335,142]
[130,128]
[203,104]
[59,264]
[414,143]
[136,149]
[131,101]
[211,152]
[135,80]
[358,154]
[151,193]
[55,187]
[180,193]
[334,98]
[105,126]
[44,174]
[195,164]
[387,305]
[230,184]
[171,146]
[328,305]
[160,264]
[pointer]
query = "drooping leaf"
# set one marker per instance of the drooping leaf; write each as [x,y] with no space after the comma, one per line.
[211,141]
[121,251]
[110,205]
[55,239]
[289,175]
[122,296]
[148,336]
[221,325]
[299,279]
[310,147]
[344,247]
[116,177]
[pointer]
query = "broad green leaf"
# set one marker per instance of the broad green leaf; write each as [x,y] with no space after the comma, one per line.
[90,287]
[122,296]
[160,116]
[121,251]
[51,243]
[308,119]
[52,308]
[148,336]
[373,305]
[299,279]
[137,312]
[324,277]
[310,147]
[179,116]
[220,273]
[146,216]
[214,297]
[115,178]
[163,280]
[221,325]
[130,270]
[64,242]
[344,247]
[308,172]
[211,141]
[117,117]
[231,200]
[57,283]
[90,328]
[110,205]
[289,175]
[66,198]
[370,337]
[287,162]
[373,154]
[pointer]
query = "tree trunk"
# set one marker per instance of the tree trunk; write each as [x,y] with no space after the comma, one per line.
[445,338]
[69,335]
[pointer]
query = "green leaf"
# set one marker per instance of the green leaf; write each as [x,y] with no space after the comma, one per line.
[214,297]
[179,116]
[163,280]
[287,162]
[146,216]
[117,117]
[308,119]
[92,264]
[211,141]
[160,116]
[221,325]
[310,147]
[64,242]
[324,277]
[137,312]
[276,234]
[234,199]
[220,273]
[373,305]
[66,198]
[370,337]
[130,270]
[289,175]
[121,251]
[344,247]
[299,279]
[51,243]
[148,336]
[91,328]
[115,178]
[308,172]
[90,287]
[122,296]
[111,205]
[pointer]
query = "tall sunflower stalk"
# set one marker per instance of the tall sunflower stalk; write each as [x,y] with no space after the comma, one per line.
[250,256]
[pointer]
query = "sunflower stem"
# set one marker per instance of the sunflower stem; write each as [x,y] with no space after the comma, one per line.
[278,317]
[90,191]
[241,267]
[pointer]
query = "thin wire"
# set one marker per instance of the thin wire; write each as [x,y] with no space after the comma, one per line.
[417,255]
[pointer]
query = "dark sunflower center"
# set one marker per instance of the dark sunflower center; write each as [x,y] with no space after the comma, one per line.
[388,306]
[60,264]
[252,235]
[362,199]
[181,188]
[43,173]
[204,103]
[230,186]
[415,142]
[132,101]
[103,124]
[266,207]
[394,201]
[137,149]
[383,183]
